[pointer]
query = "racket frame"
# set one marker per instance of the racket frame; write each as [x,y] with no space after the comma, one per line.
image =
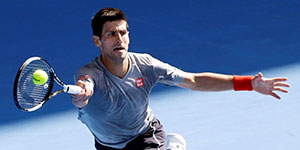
[48,94]
[71,89]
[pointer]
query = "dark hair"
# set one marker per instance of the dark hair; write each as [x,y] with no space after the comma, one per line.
[104,15]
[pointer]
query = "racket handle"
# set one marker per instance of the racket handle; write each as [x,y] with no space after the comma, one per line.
[72,89]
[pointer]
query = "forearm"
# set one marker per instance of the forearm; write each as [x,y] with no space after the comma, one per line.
[207,82]
[79,102]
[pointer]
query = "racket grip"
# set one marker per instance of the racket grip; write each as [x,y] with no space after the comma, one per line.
[72,89]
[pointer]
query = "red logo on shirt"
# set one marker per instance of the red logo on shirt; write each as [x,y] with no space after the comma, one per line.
[84,77]
[139,82]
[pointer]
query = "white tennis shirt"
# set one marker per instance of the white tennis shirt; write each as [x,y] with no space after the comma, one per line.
[118,111]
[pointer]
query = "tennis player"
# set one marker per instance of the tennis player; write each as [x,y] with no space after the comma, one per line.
[114,102]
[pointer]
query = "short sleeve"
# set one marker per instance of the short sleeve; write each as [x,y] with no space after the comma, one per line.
[166,73]
[85,75]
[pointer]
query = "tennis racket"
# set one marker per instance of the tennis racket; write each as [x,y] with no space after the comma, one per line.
[29,96]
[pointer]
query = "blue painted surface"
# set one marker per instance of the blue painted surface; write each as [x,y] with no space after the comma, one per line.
[207,120]
[234,37]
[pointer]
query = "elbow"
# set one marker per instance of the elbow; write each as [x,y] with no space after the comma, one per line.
[194,86]
[190,82]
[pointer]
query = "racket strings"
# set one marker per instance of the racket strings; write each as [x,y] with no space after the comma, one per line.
[30,95]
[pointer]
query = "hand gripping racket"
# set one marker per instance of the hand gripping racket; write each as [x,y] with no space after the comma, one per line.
[29,96]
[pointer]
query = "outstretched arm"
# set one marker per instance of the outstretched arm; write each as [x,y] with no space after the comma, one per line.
[207,82]
[221,82]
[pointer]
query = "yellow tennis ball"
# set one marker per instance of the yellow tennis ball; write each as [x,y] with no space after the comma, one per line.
[40,77]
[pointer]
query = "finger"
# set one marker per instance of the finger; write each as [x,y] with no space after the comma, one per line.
[81,84]
[279,79]
[90,92]
[281,84]
[259,75]
[280,89]
[87,93]
[275,95]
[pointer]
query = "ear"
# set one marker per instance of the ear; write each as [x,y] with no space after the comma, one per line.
[97,41]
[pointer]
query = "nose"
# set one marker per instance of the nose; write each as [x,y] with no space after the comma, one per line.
[119,37]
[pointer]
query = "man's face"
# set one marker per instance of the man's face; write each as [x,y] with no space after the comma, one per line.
[114,42]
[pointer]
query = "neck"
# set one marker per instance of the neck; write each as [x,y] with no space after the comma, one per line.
[118,69]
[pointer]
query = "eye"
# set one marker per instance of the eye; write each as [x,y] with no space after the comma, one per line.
[111,33]
[123,32]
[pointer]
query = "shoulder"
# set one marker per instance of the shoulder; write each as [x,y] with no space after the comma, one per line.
[141,58]
[91,69]
[93,65]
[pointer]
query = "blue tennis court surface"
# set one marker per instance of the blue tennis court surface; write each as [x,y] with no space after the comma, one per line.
[232,37]
[211,121]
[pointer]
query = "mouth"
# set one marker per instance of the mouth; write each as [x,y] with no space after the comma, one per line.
[119,48]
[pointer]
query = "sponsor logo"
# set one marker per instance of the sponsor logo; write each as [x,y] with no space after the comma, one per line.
[84,77]
[139,82]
